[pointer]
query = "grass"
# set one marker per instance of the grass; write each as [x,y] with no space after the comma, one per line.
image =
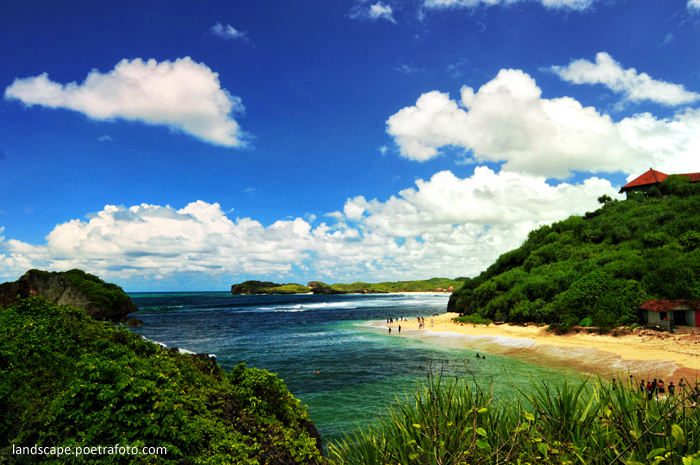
[586,422]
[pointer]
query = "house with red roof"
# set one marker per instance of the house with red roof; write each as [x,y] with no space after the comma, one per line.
[671,313]
[650,179]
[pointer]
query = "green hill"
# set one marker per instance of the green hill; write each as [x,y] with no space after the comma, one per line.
[601,265]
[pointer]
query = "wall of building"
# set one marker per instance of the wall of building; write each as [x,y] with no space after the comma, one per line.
[654,318]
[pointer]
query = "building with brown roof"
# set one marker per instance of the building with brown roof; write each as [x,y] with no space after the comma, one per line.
[650,179]
[671,313]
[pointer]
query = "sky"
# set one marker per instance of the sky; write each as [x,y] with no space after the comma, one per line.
[180,146]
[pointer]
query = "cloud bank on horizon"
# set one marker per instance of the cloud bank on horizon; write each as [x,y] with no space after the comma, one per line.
[447,225]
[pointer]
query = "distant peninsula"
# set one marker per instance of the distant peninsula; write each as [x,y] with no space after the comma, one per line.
[445,285]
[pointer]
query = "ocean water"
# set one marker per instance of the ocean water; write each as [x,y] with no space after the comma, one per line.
[362,369]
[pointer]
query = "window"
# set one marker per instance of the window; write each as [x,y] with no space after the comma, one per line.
[664,316]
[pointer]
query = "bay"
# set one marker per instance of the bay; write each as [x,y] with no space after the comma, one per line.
[332,351]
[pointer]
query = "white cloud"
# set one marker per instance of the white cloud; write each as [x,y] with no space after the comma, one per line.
[694,5]
[451,227]
[508,121]
[635,87]
[105,138]
[554,4]
[228,32]
[182,95]
[373,12]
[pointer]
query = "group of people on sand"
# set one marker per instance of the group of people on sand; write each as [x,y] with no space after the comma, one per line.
[654,388]
[421,322]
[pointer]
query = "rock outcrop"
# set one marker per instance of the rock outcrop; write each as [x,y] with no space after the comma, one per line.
[266,287]
[317,287]
[76,288]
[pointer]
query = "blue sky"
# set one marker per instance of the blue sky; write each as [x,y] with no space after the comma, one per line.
[191,145]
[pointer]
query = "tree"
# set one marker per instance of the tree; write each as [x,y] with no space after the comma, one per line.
[605,199]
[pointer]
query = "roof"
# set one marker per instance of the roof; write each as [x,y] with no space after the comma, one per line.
[666,305]
[694,177]
[650,177]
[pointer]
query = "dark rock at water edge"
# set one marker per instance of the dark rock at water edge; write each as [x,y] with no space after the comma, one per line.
[76,288]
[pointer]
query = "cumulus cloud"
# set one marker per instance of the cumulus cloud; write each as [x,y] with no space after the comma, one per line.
[228,32]
[635,87]
[182,95]
[373,12]
[447,226]
[694,5]
[508,121]
[554,4]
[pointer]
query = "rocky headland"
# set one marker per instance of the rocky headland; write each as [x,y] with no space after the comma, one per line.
[76,288]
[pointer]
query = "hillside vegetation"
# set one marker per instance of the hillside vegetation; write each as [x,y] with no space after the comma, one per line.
[398,286]
[69,381]
[601,265]
[266,287]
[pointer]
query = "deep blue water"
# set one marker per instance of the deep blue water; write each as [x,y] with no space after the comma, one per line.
[361,366]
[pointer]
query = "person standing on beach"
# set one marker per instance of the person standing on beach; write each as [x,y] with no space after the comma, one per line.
[671,389]
[399,329]
[389,330]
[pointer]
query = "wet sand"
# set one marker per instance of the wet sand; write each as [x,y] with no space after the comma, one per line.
[642,345]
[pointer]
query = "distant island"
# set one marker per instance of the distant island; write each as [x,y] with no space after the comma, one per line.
[445,285]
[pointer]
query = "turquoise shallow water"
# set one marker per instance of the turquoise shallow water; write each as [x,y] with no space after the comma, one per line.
[362,368]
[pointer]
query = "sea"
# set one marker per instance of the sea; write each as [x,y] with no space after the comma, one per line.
[334,352]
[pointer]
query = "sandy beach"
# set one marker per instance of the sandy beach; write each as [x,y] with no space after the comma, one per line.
[641,345]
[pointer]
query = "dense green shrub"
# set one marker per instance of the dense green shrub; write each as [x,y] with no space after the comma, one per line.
[600,266]
[67,380]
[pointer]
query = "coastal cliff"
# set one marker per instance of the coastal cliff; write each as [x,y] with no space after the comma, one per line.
[76,288]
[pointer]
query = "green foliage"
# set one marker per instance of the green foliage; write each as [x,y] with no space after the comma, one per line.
[587,422]
[600,266]
[473,319]
[70,381]
[408,286]
[605,199]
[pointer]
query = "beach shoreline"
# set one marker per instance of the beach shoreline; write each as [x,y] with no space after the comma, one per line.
[642,345]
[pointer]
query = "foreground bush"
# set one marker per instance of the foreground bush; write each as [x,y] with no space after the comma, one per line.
[67,380]
[590,422]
